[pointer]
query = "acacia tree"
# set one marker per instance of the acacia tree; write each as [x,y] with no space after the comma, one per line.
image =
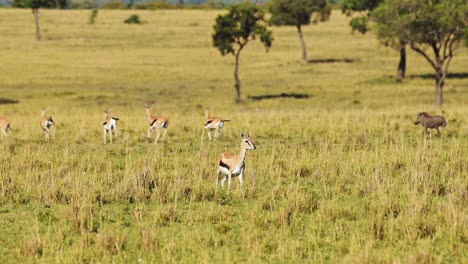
[243,23]
[35,5]
[360,23]
[299,13]
[432,28]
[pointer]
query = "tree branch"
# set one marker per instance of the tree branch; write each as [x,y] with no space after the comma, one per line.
[418,50]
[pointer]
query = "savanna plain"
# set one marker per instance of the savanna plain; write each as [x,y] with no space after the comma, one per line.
[340,176]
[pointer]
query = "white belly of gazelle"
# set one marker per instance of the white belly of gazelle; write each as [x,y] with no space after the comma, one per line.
[234,172]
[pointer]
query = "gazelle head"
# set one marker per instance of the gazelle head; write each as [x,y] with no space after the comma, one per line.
[246,142]
[44,111]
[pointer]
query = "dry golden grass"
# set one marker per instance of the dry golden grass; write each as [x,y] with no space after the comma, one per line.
[342,176]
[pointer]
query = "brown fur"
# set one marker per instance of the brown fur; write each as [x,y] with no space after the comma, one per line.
[213,123]
[44,120]
[233,162]
[4,126]
[429,121]
[157,122]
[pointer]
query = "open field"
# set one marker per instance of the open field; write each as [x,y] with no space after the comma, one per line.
[341,176]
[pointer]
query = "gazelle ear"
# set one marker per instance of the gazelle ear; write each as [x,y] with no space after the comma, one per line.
[242,135]
[249,135]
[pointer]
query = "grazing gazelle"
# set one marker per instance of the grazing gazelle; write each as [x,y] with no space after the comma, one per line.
[213,123]
[156,122]
[232,165]
[110,124]
[4,126]
[46,122]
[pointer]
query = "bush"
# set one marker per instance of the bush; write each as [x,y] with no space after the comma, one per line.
[92,16]
[114,5]
[133,19]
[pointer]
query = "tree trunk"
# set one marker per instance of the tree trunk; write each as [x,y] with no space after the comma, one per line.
[236,78]
[36,20]
[402,65]
[303,45]
[440,81]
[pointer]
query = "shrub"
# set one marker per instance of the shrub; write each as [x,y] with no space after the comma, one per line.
[92,16]
[133,19]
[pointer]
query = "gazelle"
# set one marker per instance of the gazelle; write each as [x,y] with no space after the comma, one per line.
[4,126]
[156,122]
[110,125]
[46,122]
[213,123]
[232,165]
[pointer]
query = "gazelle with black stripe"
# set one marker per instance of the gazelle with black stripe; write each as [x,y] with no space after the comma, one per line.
[109,126]
[158,123]
[233,165]
[4,126]
[46,122]
[213,123]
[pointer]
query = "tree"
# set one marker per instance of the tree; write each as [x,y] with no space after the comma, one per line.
[299,13]
[361,24]
[36,4]
[432,28]
[244,23]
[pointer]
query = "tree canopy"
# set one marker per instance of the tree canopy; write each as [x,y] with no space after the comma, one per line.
[299,12]
[35,4]
[243,23]
[359,23]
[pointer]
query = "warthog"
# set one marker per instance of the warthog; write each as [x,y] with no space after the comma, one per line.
[429,121]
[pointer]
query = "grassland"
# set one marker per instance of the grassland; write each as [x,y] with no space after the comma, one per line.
[342,176]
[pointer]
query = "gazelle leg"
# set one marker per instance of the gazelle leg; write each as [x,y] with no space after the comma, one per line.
[105,136]
[115,133]
[217,133]
[209,134]
[150,129]
[217,176]
[229,180]
[5,133]
[202,134]
[438,132]
[157,136]
[164,134]
[240,178]
[110,135]
[223,180]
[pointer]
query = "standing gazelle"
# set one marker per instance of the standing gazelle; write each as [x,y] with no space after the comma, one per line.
[4,126]
[213,123]
[156,122]
[232,165]
[110,124]
[46,122]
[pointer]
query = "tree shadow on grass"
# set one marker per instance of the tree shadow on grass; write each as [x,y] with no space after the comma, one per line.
[332,60]
[455,75]
[281,95]
[8,101]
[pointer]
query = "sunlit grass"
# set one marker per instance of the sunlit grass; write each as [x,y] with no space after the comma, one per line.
[342,176]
